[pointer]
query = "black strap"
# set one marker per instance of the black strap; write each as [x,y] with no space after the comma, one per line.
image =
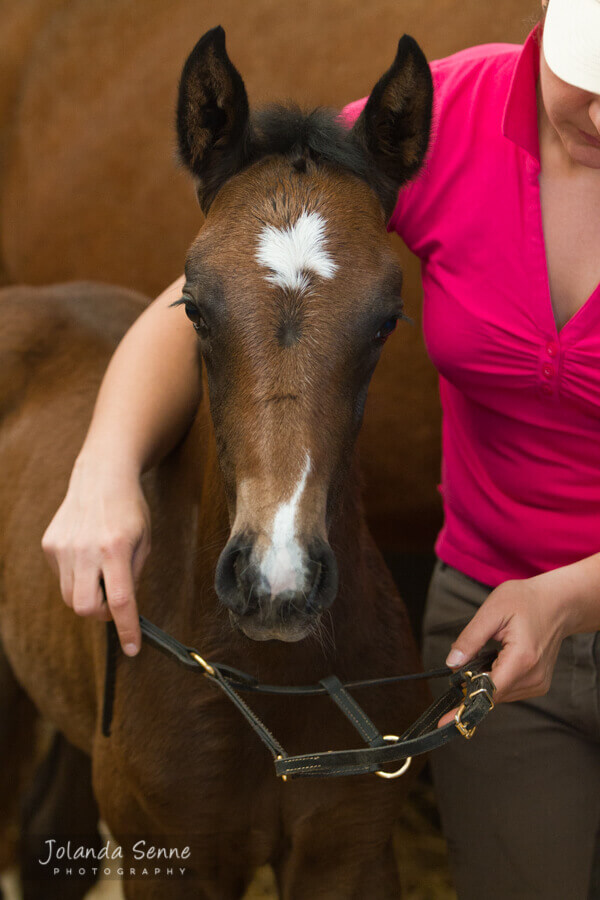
[182,654]
[352,711]
[470,688]
[110,677]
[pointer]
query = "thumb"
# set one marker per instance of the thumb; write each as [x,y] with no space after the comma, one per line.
[483,626]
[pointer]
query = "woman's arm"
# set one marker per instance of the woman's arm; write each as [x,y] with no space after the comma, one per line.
[530,618]
[151,388]
[147,401]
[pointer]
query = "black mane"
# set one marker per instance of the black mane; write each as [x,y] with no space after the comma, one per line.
[284,129]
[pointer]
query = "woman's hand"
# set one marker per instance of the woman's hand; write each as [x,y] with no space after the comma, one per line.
[102,529]
[530,618]
[524,619]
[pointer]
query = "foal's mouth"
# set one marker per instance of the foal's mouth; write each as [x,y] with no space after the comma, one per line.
[257,629]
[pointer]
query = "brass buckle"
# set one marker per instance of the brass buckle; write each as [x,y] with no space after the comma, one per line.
[487,694]
[403,768]
[466,732]
[202,662]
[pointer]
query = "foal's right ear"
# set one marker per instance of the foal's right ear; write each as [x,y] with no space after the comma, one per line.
[212,116]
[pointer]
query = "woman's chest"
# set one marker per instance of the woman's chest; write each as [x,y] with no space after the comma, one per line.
[512,301]
[570,209]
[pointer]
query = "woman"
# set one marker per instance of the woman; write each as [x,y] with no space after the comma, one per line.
[512,321]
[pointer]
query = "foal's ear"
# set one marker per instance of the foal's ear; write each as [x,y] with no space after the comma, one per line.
[212,116]
[395,123]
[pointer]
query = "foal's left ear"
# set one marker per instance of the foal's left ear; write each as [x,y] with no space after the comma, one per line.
[212,116]
[395,123]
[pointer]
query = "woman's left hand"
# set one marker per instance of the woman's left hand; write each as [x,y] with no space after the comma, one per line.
[530,618]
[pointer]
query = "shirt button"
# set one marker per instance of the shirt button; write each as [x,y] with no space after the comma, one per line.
[551,349]
[546,390]
[548,370]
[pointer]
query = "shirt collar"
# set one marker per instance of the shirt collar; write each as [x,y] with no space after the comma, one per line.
[520,119]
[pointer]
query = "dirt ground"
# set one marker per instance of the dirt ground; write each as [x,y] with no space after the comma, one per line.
[420,851]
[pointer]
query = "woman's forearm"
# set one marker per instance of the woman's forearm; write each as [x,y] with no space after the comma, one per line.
[150,391]
[102,529]
[575,590]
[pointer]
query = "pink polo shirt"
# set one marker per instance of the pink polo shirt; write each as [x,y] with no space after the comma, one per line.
[520,401]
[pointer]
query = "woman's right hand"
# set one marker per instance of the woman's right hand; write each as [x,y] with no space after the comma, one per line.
[101,530]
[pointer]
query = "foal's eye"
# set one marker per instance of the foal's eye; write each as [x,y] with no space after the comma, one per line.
[386,329]
[195,317]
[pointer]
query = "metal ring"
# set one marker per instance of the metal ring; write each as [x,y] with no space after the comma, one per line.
[202,662]
[403,768]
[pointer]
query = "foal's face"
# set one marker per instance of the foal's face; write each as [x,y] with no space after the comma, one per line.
[292,287]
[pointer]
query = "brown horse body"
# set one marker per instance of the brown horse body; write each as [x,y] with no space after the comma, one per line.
[292,301]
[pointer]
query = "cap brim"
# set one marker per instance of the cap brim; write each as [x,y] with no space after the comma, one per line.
[572,42]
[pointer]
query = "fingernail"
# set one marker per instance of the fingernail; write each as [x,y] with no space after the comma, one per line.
[130,649]
[455,658]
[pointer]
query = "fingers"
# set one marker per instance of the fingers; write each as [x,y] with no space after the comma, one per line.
[485,624]
[120,592]
[517,675]
[88,599]
[80,568]
[66,585]
[101,530]
[79,579]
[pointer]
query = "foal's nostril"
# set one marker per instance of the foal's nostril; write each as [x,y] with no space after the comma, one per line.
[229,576]
[324,575]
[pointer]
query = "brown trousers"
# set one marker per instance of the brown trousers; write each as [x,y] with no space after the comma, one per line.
[520,802]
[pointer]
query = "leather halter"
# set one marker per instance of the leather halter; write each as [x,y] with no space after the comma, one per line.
[471,689]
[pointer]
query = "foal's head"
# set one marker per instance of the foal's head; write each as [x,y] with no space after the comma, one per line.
[292,288]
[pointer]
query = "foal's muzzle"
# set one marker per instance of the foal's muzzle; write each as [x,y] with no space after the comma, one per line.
[263,613]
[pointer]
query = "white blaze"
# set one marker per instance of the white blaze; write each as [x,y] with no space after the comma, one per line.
[293,251]
[282,565]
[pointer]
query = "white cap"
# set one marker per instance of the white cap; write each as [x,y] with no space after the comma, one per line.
[572,42]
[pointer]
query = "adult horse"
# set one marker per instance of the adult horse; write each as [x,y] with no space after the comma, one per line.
[86,104]
[292,288]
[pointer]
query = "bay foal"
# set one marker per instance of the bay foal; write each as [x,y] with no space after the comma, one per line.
[292,289]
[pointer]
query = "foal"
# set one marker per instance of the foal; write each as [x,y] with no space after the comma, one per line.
[292,289]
